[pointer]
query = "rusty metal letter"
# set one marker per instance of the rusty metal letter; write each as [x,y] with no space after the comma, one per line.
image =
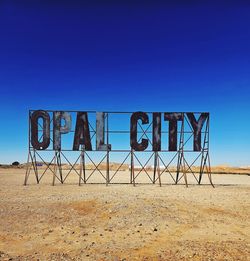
[133,131]
[82,133]
[100,130]
[173,118]
[35,142]
[156,131]
[58,116]
[197,127]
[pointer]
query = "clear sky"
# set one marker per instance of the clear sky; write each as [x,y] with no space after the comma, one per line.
[130,56]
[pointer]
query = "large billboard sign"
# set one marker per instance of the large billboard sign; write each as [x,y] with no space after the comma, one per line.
[140,131]
[82,130]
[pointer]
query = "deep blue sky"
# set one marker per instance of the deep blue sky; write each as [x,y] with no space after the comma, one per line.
[127,57]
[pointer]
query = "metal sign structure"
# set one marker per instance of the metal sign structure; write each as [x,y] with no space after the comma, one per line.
[176,144]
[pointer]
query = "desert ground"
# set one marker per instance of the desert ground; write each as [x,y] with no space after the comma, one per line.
[123,222]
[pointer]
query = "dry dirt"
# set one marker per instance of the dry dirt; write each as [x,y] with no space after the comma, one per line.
[122,222]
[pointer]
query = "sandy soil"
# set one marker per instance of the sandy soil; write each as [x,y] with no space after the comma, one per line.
[122,222]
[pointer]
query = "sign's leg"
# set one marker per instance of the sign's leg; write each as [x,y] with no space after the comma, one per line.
[34,163]
[107,139]
[55,170]
[107,169]
[81,168]
[158,169]
[59,164]
[155,166]
[185,172]
[180,151]
[178,168]
[209,173]
[131,163]
[201,168]
[28,167]
[183,168]
[84,168]
[132,167]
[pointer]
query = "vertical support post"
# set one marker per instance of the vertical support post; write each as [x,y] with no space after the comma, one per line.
[158,168]
[28,167]
[204,154]
[81,167]
[131,163]
[209,171]
[155,165]
[35,165]
[84,167]
[181,160]
[55,169]
[59,165]
[107,140]
[208,157]
[132,169]
[201,168]
[205,160]
[184,171]
[178,168]
[180,151]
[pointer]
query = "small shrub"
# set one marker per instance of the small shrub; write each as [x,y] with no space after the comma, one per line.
[15,163]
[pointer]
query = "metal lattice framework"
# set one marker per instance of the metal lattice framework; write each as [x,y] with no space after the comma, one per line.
[178,167]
